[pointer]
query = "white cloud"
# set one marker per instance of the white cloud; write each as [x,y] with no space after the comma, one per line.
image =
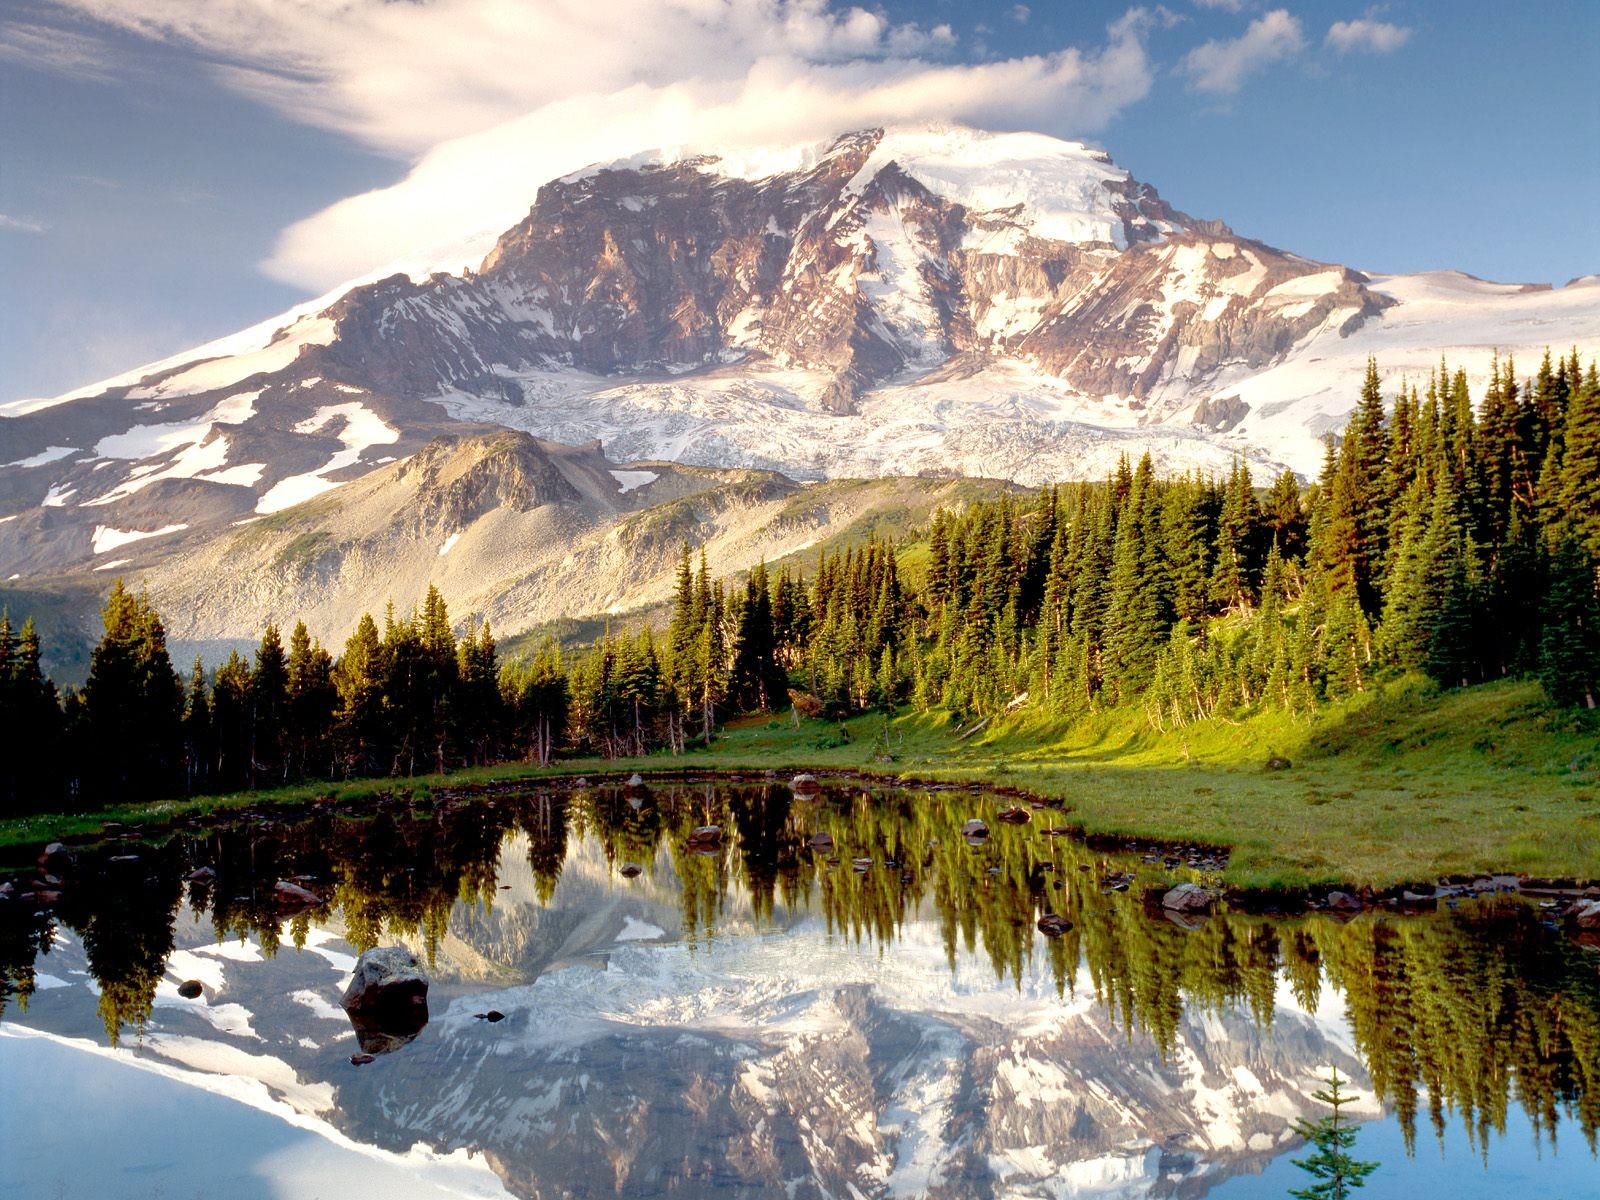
[1020,13]
[1225,5]
[404,77]
[1222,65]
[1376,37]
[488,99]
[59,51]
[21,224]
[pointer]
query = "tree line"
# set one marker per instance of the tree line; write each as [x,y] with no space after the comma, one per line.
[1454,538]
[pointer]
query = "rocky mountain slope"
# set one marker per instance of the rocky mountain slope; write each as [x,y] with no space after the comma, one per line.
[917,301]
[518,530]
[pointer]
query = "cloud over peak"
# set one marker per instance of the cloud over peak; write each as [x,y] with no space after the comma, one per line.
[1222,65]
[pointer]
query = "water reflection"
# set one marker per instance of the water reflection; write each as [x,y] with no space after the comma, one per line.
[820,962]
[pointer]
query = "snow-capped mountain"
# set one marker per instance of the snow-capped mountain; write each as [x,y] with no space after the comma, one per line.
[928,300]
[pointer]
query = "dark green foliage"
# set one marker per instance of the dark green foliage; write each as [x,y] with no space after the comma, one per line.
[31,724]
[1335,1169]
[131,745]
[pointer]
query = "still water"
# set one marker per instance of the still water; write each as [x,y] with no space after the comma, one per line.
[836,995]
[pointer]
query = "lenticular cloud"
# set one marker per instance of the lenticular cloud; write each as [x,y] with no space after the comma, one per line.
[487,99]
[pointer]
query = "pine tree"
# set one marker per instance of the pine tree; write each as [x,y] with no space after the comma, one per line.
[1336,1170]
[231,724]
[1569,654]
[313,700]
[361,728]
[269,712]
[32,727]
[133,705]
[199,737]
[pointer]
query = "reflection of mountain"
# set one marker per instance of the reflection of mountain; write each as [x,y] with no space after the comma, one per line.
[739,1066]
[766,1014]
[823,1067]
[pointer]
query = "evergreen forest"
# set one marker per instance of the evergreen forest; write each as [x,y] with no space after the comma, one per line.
[1447,535]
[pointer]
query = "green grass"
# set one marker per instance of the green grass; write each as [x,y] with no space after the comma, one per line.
[1404,785]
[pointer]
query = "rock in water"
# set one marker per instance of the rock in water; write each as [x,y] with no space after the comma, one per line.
[974,830]
[1053,925]
[1015,816]
[291,898]
[190,989]
[1343,902]
[1186,897]
[804,783]
[387,1000]
[704,839]
[1586,916]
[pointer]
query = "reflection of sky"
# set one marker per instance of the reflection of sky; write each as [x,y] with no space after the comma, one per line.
[1518,1166]
[137,1133]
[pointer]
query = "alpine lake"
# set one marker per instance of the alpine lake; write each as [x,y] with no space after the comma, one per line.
[844,990]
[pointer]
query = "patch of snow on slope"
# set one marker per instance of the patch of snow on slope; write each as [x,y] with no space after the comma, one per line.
[628,481]
[635,930]
[319,1006]
[49,454]
[202,448]
[105,538]
[897,289]
[449,543]
[362,429]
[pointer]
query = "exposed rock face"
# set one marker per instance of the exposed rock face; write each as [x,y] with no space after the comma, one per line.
[850,266]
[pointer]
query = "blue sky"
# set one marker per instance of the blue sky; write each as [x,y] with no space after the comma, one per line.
[172,170]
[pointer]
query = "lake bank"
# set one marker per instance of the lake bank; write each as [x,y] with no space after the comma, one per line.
[1404,786]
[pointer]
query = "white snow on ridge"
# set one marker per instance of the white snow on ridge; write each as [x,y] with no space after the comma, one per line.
[1059,185]
[1441,314]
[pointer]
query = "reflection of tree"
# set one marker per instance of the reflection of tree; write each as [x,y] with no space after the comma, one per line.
[124,913]
[543,820]
[26,932]
[1474,1009]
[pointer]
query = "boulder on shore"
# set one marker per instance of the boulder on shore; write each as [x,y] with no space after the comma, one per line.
[1186,897]
[1586,915]
[387,1000]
